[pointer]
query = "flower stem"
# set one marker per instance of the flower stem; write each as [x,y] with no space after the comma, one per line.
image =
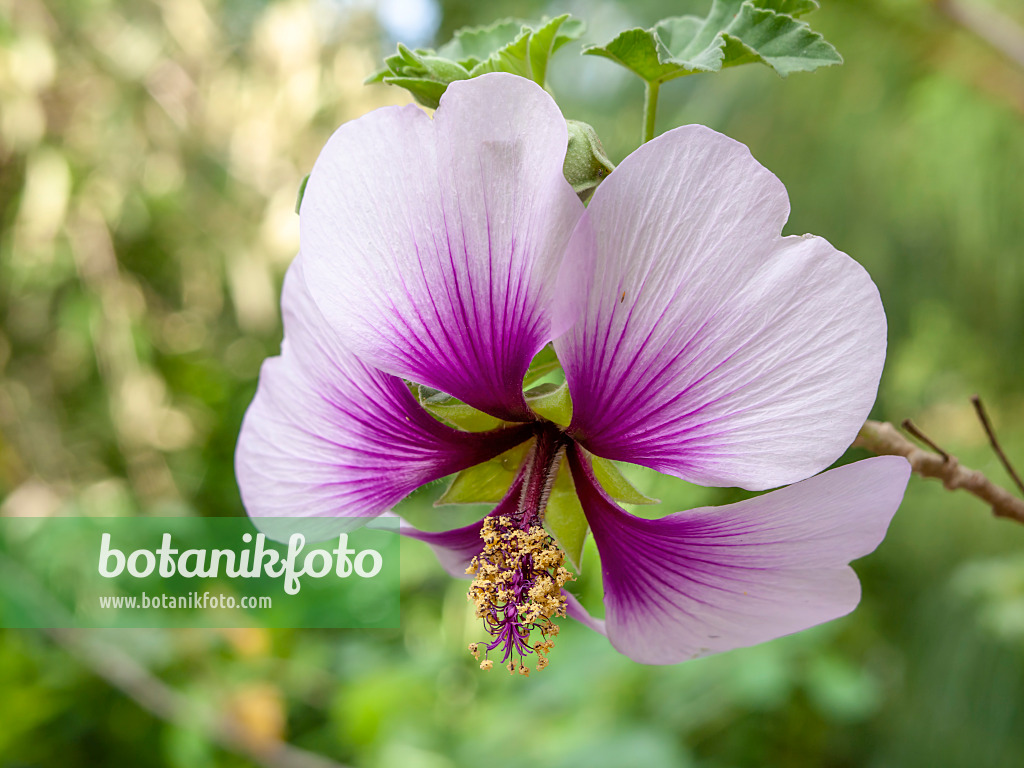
[650,109]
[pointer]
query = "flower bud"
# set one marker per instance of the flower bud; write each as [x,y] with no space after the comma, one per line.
[586,164]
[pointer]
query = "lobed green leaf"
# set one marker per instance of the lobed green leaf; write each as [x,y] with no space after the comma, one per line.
[510,45]
[734,32]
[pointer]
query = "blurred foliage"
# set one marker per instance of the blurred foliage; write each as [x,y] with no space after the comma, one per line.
[150,153]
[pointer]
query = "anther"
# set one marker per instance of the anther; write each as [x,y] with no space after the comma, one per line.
[517,590]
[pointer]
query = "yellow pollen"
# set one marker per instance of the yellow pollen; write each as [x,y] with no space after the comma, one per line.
[517,588]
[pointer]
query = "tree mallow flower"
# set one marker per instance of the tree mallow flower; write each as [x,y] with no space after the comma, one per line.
[694,338]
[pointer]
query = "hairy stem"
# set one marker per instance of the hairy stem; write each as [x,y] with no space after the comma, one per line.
[541,470]
[882,438]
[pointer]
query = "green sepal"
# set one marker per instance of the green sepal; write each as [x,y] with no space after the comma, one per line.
[734,32]
[510,45]
[616,485]
[564,518]
[485,483]
[545,362]
[552,402]
[454,412]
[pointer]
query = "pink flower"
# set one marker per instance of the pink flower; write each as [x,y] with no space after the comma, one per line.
[695,340]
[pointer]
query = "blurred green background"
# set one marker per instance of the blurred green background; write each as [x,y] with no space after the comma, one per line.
[150,153]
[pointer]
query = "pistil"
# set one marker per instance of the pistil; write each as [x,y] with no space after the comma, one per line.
[519,575]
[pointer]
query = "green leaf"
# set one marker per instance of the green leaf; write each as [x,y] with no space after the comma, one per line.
[302,192]
[616,485]
[454,412]
[426,92]
[734,32]
[552,402]
[790,7]
[471,45]
[783,43]
[423,74]
[486,483]
[520,48]
[548,39]
[564,518]
[513,58]
[637,50]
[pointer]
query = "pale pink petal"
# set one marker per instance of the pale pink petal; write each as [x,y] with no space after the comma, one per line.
[434,246]
[710,347]
[329,435]
[716,578]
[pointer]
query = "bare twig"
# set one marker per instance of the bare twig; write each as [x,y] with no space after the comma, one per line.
[994,442]
[154,695]
[992,27]
[912,428]
[884,439]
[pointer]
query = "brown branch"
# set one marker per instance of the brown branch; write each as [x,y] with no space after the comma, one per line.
[911,427]
[989,25]
[882,438]
[979,408]
[152,694]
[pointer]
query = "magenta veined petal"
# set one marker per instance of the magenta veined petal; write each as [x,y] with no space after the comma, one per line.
[433,246]
[717,578]
[329,435]
[710,347]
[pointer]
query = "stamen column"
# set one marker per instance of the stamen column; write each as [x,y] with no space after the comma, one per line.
[519,574]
